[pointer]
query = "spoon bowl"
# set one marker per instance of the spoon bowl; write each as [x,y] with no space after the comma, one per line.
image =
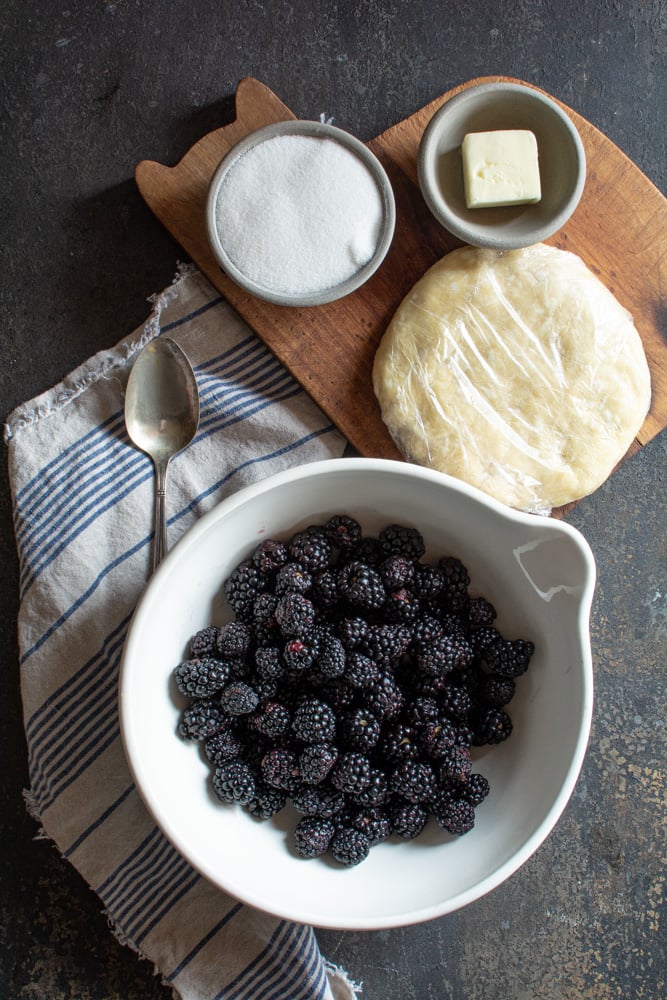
[161,416]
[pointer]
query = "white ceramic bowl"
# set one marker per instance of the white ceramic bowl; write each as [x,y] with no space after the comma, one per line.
[540,575]
[489,107]
[367,160]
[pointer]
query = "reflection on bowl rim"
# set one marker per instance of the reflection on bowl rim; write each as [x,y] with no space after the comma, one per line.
[314,129]
[479,234]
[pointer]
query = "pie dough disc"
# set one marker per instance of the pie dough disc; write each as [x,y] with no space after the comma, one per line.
[516,371]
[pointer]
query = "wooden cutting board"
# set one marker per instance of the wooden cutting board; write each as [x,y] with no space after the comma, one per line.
[619,229]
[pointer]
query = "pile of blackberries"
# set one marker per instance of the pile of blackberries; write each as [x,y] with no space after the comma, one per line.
[354,680]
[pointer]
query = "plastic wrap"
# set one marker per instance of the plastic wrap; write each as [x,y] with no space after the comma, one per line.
[515,371]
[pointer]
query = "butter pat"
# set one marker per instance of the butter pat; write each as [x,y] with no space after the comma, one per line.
[500,168]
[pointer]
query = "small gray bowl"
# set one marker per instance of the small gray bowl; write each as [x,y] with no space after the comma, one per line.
[490,107]
[321,131]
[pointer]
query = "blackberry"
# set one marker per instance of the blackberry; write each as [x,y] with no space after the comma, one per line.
[372,821]
[199,678]
[242,587]
[352,632]
[337,693]
[279,768]
[376,791]
[223,746]
[398,539]
[413,780]
[312,836]
[484,638]
[270,555]
[233,781]
[268,663]
[456,580]
[351,772]
[316,761]
[387,643]
[443,654]
[509,658]
[271,719]
[457,817]
[295,614]
[361,585]
[384,698]
[399,743]
[396,571]
[204,644]
[481,613]
[491,726]
[234,640]
[475,789]
[455,765]
[202,718]
[408,819]
[264,608]
[300,654]
[428,581]
[425,628]
[343,532]
[318,800]
[436,738]
[314,721]
[311,548]
[422,710]
[266,801]
[401,606]
[360,670]
[349,846]
[331,657]
[497,691]
[455,701]
[360,729]
[238,698]
[324,591]
[367,551]
[292,578]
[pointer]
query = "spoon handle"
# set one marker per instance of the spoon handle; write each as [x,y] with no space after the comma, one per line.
[160,519]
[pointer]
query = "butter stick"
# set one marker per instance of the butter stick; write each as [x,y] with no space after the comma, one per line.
[500,168]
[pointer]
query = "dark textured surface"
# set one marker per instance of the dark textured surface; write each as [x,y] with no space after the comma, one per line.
[89,89]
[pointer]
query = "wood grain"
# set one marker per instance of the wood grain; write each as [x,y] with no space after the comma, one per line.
[619,229]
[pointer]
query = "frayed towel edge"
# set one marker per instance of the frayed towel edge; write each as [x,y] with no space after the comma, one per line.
[101,366]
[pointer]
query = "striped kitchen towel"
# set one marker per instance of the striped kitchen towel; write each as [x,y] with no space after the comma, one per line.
[83,506]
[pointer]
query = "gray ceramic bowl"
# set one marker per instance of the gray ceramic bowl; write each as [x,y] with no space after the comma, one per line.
[320,131]
[490,107]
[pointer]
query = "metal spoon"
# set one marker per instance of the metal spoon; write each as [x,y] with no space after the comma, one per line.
[161,416]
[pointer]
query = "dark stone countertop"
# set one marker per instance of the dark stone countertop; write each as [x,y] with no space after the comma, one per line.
[90,89]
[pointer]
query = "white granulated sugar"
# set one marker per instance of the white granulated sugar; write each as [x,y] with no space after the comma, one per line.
[299,214]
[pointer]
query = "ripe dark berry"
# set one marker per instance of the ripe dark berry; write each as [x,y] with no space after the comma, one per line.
[324,591]
[205,643]
[497,691]
[343,532]
[396,571]
[266,801]
[311,548]
[437,738]
[350,846]
[234,640]
[408,819]
[455,765]
[318,800]
[271,719]
[223,746]
[443,654]
[360,670]
[376,791]
[457,817]
[300,654]
[233,781]
[401,605]
[316,761]
[352,632]
[372,821]
[270,555]
[351,773]
[491,726]
[397,539]
[331,657]
[314,721]
[238,698]
[242,587]
[312,836]
[292,577]
[202,718]
[428,581]
[413,780]
[386,643]
[295,614]
[481,613]
[199,678]
[456,581]
[509,658]
[361,585]
[399,743]
[280,769]
[268,663]
[360,729]
[475,789]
